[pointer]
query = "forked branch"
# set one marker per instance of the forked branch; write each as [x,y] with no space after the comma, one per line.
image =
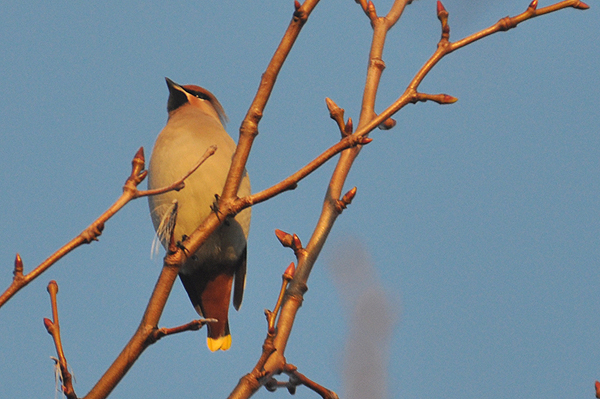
[53,328]
[369,120]
[249,127]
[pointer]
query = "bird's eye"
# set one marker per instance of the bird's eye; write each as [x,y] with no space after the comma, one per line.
[199,95]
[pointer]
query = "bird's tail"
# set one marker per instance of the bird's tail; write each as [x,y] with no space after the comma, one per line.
[210,294]
[223,343]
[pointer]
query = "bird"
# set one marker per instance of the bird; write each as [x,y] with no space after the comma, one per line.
[196,121]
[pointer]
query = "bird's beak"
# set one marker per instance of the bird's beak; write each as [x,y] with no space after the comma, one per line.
[173,86]
[177,95]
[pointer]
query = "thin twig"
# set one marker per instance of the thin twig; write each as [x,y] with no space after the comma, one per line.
[287,276]
[193,325]
[369,121]
[229,204]
[179,184]
[331,208]
[292,181]
[249,126]
[298,378]
[93,231]
[53,328]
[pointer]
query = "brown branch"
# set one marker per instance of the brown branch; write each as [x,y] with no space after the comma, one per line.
[228,203]
[287,276]
[369,120]
[193,325]
[291,182]
[93,231]
[507,23]
[251,382]
[331,206]
[147,332]
[337,114]
[179,184]
[381,25]
[272,360]
[249,126]
[289,241]
[53,328]
[297,378]
[445,47]
[294,295]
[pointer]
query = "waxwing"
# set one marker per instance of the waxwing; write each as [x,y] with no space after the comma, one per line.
[195,123]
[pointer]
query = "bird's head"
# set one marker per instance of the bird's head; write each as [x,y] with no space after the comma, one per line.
[196,96]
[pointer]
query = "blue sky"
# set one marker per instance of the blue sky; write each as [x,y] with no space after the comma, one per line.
[478,222]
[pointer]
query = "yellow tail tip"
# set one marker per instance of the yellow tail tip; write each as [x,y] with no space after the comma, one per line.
[223,343]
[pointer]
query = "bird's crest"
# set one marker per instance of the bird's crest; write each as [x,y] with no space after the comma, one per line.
[178,95]
[204,94]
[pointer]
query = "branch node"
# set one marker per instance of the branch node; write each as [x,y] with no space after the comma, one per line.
[533,5]
[447,99]
[378,63]
[288,275]
[296,243]
[52,288]
[388,124]
[371,12]
[284,238]
[438,98]
[138,164]
[49,325]
[581,6]
[362,3]
[337,114]
[364,140]
[289,241]
[299,14]
[346,200]
[349,196]
[442,15]
[18,271]
[506,23]
[348,129]
[92,232]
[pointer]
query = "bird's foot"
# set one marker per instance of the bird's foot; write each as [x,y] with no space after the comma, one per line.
[181,246]
[215,208]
